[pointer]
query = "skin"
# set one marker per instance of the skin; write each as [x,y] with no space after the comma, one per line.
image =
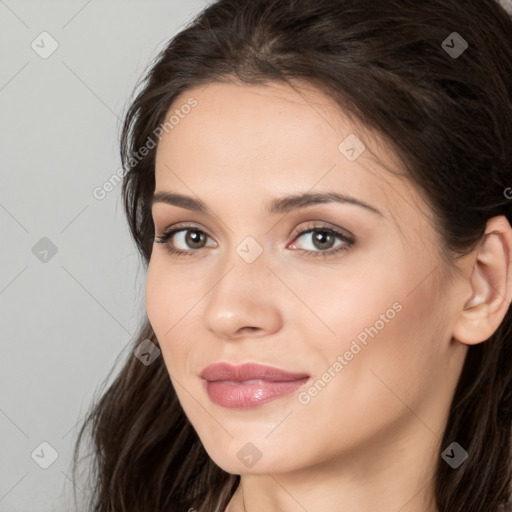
[370,439]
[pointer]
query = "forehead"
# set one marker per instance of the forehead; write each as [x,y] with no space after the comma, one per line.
[271,139]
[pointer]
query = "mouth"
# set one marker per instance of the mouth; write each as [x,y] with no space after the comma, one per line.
[249,385]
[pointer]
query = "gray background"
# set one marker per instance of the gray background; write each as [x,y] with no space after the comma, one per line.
[65,320]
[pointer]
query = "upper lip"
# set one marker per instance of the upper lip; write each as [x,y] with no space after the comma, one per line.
[248,371]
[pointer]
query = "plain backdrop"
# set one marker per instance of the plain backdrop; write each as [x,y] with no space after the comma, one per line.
[71,282]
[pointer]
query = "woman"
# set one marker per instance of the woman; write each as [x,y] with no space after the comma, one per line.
[321,192]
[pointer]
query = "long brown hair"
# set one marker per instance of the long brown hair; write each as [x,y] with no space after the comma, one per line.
[448,117]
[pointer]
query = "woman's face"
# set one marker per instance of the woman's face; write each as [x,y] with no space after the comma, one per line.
[353,304]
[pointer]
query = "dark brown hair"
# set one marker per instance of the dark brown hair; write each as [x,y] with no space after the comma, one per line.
[448,118]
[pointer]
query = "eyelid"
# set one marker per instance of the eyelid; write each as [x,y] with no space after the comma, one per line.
[348,240]
[172,230]
[322,224]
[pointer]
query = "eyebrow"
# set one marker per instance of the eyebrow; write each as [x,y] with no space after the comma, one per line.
[279,205]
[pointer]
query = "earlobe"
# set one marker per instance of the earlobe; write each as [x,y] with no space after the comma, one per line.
[491,285]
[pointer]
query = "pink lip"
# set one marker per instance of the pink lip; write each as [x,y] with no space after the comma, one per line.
[248,385]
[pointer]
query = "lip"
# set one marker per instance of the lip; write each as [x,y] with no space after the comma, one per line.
[248,371]
[248,385]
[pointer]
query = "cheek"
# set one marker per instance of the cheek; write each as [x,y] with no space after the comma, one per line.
[364,292]
[171,292]
[157,301]
[401,353]
[376,384]
[167,302]
[384,317]
[385,290]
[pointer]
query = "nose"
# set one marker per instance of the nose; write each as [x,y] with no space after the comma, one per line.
[244,301]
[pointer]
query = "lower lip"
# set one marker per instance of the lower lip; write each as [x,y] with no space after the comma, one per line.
[249,394]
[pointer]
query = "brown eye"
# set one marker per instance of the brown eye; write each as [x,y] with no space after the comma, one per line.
[182,240]
[322,241]
[195,238]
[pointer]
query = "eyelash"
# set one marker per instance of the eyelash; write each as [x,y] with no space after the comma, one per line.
[348,242]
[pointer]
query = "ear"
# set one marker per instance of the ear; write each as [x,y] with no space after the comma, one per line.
[491,285]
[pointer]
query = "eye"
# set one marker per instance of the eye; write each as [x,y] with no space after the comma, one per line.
[322,240]
[190,237]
